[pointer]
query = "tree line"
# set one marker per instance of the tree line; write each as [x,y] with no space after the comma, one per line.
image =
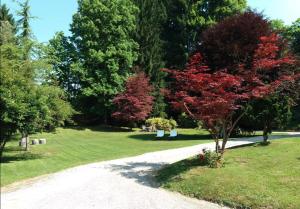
[111,39]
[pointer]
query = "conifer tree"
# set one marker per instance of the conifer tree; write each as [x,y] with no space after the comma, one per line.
[150,22]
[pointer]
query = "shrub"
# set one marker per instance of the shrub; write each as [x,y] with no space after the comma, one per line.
[173,123]
[161,124]
[211,159]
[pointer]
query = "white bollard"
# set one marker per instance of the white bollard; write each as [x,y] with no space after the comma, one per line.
[22,142]
[34,141]
[42,141]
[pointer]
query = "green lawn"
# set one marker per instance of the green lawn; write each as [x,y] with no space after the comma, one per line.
[71,147]
[256,176]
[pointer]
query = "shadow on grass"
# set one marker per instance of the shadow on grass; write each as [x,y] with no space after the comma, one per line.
[22,156]
[172,171]
[180,137]
[100,128]
[13,149]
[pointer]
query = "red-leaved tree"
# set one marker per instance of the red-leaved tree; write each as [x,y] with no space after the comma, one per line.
[219,96]
[135,103]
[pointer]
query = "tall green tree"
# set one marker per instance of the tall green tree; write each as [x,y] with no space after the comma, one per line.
[150,22]
[63,57]
[104,35]
[187,19]
[8,25]
[294,34]
[7,17]
[10,83]
[24,21]
[26,105]
[25,32]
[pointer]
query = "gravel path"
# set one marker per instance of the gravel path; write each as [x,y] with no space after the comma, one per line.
[118,184]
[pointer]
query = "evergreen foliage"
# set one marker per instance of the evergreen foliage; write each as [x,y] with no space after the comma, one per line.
[150,22]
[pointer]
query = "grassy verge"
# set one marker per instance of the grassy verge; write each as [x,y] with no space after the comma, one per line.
[71,147]
[257,176]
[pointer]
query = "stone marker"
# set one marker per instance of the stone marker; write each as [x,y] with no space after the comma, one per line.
[34,141]
[22,142]
[42,141]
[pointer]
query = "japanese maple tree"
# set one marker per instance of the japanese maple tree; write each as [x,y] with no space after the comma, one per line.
[217,91]
[135,103]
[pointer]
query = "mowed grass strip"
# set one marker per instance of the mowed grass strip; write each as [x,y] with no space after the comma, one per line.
[72,147]
[264,177]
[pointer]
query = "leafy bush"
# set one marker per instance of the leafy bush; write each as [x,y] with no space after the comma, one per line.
[173,123]
[161,124]
[211,159]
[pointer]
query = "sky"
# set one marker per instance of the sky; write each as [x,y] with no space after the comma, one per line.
[56,15]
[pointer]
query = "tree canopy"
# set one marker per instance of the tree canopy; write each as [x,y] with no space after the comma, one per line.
[187,20]
[27,105]
[135,103]
[103,32]
[213,91]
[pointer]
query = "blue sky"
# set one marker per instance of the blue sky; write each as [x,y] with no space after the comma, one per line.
[56,15]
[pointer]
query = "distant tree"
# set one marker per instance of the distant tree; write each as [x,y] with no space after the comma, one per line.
[7,26]
[267,114]
[236,40]
[24,21]
[214,91]
[294,33]
[25,32]
[278,25]
[135,103]
[187,19]
[63,57]
[150,22]
[103,32]
[7,17]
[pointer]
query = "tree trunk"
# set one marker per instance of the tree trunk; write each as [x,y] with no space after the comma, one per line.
[225,139]
[217,145]
[265,133]
[25,135]
[105,118]
[3,143]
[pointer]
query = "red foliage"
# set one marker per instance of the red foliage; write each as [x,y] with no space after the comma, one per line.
[233,40]
[135,103]
[213,96]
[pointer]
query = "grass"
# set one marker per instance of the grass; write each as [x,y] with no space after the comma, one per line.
[264,177]
[72,147]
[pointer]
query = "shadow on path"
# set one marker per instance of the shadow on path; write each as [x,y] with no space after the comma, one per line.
[141,172]
[144,172]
